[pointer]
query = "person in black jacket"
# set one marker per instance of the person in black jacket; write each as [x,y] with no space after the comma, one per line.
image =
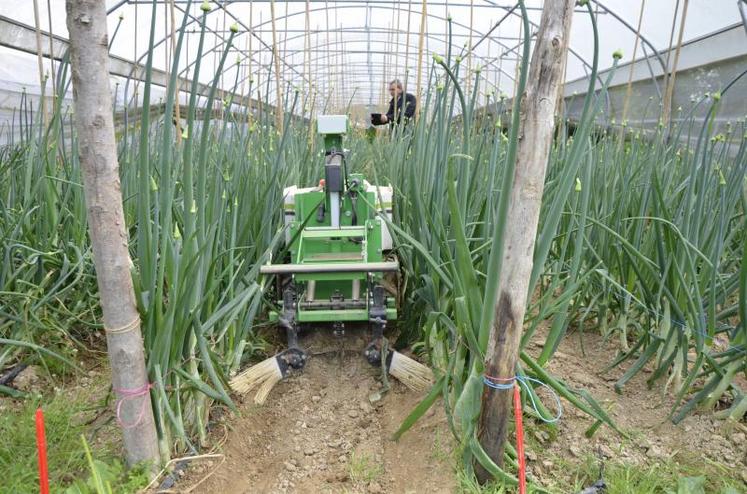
[401,106]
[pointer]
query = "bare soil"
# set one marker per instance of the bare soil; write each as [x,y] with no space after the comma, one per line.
[322,431]
[639,411]
[319,432]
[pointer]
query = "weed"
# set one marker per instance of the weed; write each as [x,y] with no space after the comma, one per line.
[677,475]
[66,454]
[467,484]
[105,475]
[441,451]
[364,468]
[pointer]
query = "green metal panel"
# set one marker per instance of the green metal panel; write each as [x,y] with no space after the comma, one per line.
[333,141]
[343,232]
[330,277]
[344,315]
[358,240]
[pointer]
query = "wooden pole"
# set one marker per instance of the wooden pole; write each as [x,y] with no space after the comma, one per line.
[51,51]
[339,69]
[394,55]
[341,65]
[241,68]
[468,75]
[307,57]
[398,59]
[278,82]
[327,71]
[671,41]
[216,56]
[499,70]
[40,61]
[223,73]
[250,36]
[667,109]
[315,68]
[407,46]
[517,64]
[347,78]
[486,73]
[629,86]
[285,50]
[135,56]
[537,129]
[176,89]
[446,20]
[423,14]
[560,110]
[259,61]
[168,48]
[314,86]
[389,60]
[89,61]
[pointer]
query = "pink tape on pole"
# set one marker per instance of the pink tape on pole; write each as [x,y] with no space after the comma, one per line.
[129,394]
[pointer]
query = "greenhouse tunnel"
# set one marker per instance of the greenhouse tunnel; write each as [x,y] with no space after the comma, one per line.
[342,53]
[244,130]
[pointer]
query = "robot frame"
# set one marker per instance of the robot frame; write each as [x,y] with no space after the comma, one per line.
[340,249]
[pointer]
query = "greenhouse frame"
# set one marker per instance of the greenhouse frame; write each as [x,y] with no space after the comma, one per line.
[471,246]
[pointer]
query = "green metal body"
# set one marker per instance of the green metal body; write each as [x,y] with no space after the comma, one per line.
[328,296]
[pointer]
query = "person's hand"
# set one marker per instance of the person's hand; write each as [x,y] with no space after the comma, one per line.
[384,119]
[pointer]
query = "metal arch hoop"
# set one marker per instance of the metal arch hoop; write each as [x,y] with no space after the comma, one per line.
[622,21]
[291,81]
[403,8]
[189,23]
[250,30]
[391,6]
[488,62]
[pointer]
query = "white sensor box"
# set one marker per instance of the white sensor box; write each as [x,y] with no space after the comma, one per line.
[332,124]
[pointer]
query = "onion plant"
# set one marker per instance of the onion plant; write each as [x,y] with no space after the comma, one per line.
[641,238]
[203,210]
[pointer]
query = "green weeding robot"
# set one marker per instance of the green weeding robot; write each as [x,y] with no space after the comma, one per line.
[339,251]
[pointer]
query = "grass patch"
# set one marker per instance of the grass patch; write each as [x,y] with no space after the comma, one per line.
[678,475]
[467,484]
[104,476]
[441,451]
[364,468]
[69,466]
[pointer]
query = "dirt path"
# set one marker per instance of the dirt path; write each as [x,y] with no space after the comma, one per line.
[640,411]
[320,432]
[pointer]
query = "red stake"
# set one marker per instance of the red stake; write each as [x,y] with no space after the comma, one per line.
[41,446]
[520,441]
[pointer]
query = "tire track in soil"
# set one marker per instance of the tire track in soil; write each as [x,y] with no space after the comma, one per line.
[318,432]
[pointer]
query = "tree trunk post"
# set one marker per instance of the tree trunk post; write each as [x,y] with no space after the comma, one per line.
[536,136]
[89,59]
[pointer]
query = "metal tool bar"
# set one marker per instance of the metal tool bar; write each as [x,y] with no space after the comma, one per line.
[361,267]
[337,304]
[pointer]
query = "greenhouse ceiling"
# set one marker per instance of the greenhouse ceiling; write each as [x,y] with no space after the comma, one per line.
[344,52]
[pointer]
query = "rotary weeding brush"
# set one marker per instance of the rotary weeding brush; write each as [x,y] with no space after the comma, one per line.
[270,371]
[266,374]
[408,371]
